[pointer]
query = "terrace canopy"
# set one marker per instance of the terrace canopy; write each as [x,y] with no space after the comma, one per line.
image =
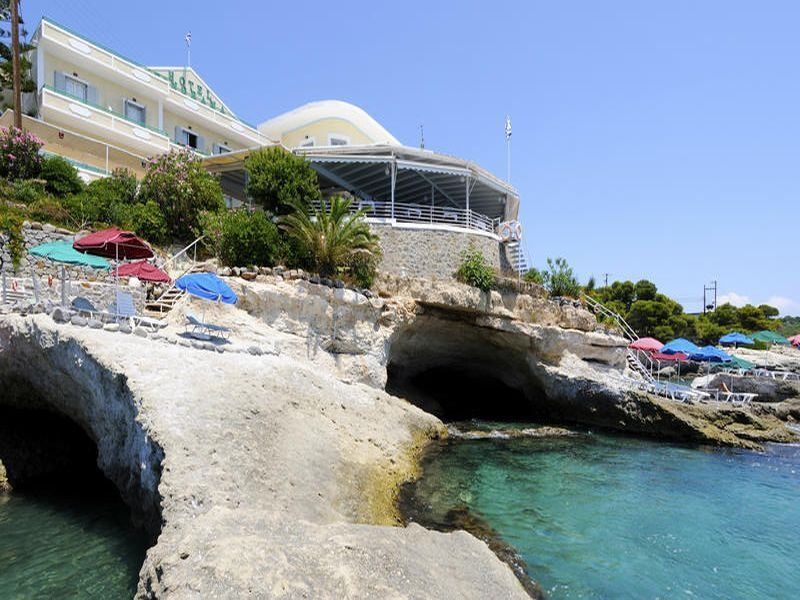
[395,183]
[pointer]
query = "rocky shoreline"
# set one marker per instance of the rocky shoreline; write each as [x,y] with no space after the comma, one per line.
[277,473]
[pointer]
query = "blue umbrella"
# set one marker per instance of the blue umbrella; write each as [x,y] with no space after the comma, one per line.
[736,338]
[710,354]
[207,286]
[679,345]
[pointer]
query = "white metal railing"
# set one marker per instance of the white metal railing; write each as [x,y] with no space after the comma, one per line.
[423,214]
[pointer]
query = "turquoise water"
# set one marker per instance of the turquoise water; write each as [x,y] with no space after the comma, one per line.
[596,516]
[68,546]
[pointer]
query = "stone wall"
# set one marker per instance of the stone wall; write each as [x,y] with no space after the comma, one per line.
[431,252]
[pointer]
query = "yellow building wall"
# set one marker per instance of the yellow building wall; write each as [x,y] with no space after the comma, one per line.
[110,95]
[321,130]
[171,120]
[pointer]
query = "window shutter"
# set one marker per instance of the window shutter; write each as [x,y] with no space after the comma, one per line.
[144,115]
[91,95]
[59,81]
[178,134]
[201,143]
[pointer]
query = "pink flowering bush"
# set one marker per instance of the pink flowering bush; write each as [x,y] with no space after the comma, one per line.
[19,154]
[182,189]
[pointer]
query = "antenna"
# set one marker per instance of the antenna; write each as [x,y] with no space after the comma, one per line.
[422,136]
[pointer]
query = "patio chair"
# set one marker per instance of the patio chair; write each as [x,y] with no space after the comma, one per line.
[202,330]
[84,307]
[125,309]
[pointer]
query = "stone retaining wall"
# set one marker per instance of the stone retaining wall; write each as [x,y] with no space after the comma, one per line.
[432,253]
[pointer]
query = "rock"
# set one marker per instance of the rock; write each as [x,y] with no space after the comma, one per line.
[338,283]
[47,228]
[125,328]
[141,332]
[225,272]
[254,350]
[95,324]
[78,321]
[183,342]
[326,282]
[111,327]
[59,315]
[236,271]
[315,279]
[248,275]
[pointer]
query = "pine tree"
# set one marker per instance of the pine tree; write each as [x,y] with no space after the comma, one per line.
[6,67]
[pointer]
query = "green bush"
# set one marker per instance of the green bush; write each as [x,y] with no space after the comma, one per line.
[146,220]
[240,238]
[533,276]
[183,189]
[49,210]
[60,176]
[475,270]
[27,191]
[19,154]
[280,181]
[560,280]
[11,233]
[363,269]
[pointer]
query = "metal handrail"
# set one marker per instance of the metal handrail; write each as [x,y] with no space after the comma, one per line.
[406,212]
[184,251]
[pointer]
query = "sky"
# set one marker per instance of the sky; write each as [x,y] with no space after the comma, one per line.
[650,140]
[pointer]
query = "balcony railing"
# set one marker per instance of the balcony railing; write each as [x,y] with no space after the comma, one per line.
[424,214]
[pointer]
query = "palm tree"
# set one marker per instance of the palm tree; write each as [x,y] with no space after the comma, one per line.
[332,236]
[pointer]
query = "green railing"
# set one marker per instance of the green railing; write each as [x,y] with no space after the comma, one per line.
[108,111]
[76,163]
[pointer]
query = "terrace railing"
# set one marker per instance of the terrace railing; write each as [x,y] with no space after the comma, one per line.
[424,214]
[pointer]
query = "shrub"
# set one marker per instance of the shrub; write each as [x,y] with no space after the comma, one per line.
[363,268]
[60,176]
[146,220]
[560,280]
[248,239]
[533,276]
[49,210]
[475,270]
[19,154]
[330,236]
[11,234]
[280,181]
[27,191]
[182,189]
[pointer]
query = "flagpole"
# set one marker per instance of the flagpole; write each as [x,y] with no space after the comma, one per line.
[188,39]
[508,147]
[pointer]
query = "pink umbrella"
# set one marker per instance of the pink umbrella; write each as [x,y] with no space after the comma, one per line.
[647,344]
[678,356]
[795,340]
[142,270]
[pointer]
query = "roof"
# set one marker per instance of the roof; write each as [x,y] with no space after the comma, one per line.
[327,109]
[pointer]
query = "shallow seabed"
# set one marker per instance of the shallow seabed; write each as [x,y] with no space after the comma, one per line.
[601,516]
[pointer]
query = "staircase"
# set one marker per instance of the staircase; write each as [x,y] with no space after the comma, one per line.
[517,257]
[638,361]
[166,301]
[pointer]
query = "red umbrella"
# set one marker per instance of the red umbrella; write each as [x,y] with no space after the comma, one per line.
[679,356]
[142,270]
[114,243]
[647,344]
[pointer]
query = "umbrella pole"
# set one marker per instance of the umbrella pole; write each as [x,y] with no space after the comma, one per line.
[5,290]
[63,287]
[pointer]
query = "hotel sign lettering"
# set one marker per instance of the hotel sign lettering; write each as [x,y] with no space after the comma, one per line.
[186,84]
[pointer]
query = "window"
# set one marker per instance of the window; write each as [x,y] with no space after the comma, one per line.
[306,143]
[188,138]
[336,139]
[221,149]
[135,111]
[77,88]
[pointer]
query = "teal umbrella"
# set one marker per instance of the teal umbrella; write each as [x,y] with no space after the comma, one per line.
[63,252]
[770,337]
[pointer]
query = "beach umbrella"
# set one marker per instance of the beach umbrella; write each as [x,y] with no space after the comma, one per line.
[710,354]
[795,340]
[770,337]
[647,344]
[736,338]
[677,357]
[63,252]
[114,243]
[681,345]
[142,270]
[207,286]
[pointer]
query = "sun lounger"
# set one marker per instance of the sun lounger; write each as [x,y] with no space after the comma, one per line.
[84,307]
[124,309]
[202,330]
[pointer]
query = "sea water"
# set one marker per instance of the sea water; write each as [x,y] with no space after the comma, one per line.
[602,516]
[68,545]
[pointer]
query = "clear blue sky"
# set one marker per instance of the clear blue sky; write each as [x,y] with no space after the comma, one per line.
[656,140]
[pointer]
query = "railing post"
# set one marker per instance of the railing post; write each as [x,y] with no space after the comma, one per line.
[394,179]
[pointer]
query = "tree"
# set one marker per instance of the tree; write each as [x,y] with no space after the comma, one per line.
[280,181]
[183,189]
[590,285]
[769,311]
[61,178]
[645,290]
[6,66]
[330,236]
[533,276]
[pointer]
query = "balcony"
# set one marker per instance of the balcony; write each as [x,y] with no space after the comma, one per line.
[75,113]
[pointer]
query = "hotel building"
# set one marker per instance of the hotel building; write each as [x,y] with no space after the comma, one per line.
[102,111]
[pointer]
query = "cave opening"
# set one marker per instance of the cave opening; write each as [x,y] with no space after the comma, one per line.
[459,371]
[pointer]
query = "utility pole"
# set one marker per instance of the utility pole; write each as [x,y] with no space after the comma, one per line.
[605,277]
[710,288]
[15,64]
